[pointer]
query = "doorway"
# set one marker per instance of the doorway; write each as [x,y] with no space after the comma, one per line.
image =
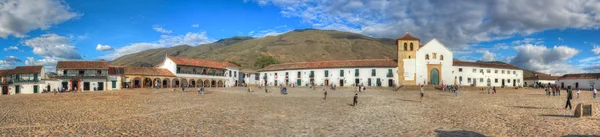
[378,82]
[356,81]
[562,85]
[341,82]
[502,82]
[299,82]
[514,82]
[17,89]
[576,85]
[4,90]
[75,85]
[48,88]
[86,85]
[390,83]
[101,86]
[35,89]
[326,82]
[434,77]
[369,81]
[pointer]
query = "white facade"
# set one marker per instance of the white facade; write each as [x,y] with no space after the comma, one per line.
[485,76]
[231,74]
[114,82]
[334,76]
[438,55]
[584,84]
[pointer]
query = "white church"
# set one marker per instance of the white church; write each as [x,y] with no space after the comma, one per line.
[428,64]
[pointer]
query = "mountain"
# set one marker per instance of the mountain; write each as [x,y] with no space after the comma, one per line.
[294,46]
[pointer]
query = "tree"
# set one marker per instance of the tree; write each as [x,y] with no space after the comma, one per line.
[264,61]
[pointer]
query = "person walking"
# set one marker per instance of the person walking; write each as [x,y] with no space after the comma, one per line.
[456,93]
[569,97]
[355,100]
[422,93]
[553,91]
[557,91]
[488,88]
[546,89]
[494,90]
[182,88]
[595,92]
[325,98]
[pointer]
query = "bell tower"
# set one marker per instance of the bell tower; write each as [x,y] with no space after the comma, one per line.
[407,46]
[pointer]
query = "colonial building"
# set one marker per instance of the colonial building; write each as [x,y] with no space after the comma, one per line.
[191,72]
[250,77]
[584,81]
[83,75]
[369,72]
[27,80]
[5,81]
[486,74]
[540,80]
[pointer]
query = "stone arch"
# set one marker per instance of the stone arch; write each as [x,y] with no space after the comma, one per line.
[175,83]
[192,83]
[147,82]
[184,82]
[137,82]
[220,83]
[213,83]
[207,83]
[405,47]
[166,83]
[156,81]
[200,83]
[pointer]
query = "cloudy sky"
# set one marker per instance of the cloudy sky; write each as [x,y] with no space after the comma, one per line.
[551,36]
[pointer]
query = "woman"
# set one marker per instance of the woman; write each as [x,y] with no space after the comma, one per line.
[494,90]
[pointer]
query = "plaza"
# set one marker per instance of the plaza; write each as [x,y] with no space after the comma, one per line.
[302,112]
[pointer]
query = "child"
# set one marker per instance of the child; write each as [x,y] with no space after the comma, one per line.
[578,91]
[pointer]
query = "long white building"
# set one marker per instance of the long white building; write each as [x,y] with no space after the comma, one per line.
[584,81]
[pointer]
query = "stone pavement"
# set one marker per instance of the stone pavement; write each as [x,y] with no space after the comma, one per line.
[303,112]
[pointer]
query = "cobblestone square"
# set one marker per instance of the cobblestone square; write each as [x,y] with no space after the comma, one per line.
[303,112]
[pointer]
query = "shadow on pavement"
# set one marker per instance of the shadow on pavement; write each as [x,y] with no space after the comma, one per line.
[458,133]
[408,100]
[530,107]
[553,115]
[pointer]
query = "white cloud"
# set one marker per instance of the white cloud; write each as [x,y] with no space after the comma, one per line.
[500,46]
[195,25]
[528,41]
[101,47]
[49,63]
[161,30]
[596,49]
[12,59]
[265,33]
[594,59]
[52,45]
[487,55]
[455,23]
[595,68]
[546,60]
[192,39]
[18,17]
[11,48]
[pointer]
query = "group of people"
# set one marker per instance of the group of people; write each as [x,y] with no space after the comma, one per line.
[452,88]
[554,90]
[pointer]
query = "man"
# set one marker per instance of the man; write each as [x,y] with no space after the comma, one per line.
[182,88]
[422,90]
[355,100]
[325,94]
[569,97]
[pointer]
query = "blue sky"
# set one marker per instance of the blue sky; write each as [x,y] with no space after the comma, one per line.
[552,38]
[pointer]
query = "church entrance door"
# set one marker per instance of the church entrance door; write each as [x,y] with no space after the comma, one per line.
[434,77]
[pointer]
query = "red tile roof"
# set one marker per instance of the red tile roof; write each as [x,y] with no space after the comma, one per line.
[82,65]
[146,71]
[581,76]
[5,72]
[333,64]
[201,63]
[484,65]
[407,37]
[27,70]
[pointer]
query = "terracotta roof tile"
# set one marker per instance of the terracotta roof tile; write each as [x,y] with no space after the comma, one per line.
[484,65]
[82,65]
[27,70]
[146,71]
[407,37]
[201,63]
[333,64]
[5,72]
[581,76]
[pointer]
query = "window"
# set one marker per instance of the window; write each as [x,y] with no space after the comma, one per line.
[341,73]
[81,72]
[114,84]
[356,72]
[99,72]
[256,77]
[496,71]
[426,56]
[411,47]
[469,80]
[481,80]
[459,69]
[481,71]
[373,73]
[460,79]
[474,70]
[405,47]
[508,81]
[502,71]
[441,57]
[514,72]
[178,69]
[489,71]
[312,74]
[230,74]
[234,73]
[434,56]
[408,56]
[496,80]
[326,73]
[65,72]
[299,74]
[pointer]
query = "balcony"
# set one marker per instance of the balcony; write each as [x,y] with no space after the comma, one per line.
[85,76]
[6,83]
[23,80]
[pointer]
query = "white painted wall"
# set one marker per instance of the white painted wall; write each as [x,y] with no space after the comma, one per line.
[583,84]
[543,82]
[170,65]
[434,46]
[467,72]
[117,79]
[334,76]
